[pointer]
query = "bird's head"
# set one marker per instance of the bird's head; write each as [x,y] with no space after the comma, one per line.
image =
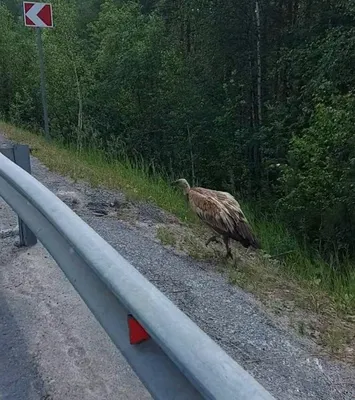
[183,184]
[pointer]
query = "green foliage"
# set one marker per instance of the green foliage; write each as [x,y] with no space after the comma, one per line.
[319,179]
[139,182]
[177,85]
[17,79]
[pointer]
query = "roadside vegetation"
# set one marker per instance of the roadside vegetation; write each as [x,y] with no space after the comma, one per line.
[252,97]
[296,287]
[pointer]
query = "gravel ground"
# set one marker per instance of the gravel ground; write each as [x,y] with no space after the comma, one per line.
[51,347]
[283,364]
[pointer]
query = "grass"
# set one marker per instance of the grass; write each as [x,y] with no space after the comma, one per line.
[288,281]
[165,236]
[93,166]
[300,264]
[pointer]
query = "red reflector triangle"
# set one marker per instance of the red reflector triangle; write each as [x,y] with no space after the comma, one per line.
[137,333]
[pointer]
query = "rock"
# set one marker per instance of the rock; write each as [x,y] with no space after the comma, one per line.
[70,198]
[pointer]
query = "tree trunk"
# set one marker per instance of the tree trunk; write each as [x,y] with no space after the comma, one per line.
[78,87]
[80,99]
[191,156]
[258,61]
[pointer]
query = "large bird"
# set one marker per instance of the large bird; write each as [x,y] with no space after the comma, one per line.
[222,213]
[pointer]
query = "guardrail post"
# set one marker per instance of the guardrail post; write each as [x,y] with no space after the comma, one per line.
[20,155]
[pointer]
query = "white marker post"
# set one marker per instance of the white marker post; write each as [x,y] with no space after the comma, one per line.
[39,15]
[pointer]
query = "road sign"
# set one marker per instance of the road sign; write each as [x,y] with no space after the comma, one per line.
[38,15]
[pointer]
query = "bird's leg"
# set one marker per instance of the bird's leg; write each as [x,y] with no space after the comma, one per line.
[212,239]
[229,251]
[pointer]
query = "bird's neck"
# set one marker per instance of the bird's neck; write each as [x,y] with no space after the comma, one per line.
[186,190]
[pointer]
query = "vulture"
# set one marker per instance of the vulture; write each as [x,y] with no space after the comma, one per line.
[221,212]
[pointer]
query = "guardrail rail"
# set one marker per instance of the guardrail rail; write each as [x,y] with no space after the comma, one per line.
[179,360]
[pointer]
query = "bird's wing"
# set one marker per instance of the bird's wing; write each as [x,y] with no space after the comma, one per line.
[224,197]
[227,198]
[222,211]
[211,211]
[244,229]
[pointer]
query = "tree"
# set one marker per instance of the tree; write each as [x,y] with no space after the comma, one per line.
[243,96]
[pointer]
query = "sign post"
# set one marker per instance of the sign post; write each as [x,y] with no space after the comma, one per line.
[43,80]
[39,15]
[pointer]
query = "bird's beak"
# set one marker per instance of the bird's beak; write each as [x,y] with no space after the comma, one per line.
[174,183]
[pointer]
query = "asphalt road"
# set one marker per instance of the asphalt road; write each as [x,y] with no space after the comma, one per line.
[50,345]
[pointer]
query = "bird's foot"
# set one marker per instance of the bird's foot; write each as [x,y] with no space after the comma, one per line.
[229,254]
[212,239]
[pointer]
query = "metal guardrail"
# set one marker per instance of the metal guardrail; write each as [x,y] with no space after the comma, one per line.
[179,361]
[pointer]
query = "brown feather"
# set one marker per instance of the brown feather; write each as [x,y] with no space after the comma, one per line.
[221,212]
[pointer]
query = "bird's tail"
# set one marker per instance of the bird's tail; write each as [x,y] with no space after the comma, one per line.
[249,239]
[255,243]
